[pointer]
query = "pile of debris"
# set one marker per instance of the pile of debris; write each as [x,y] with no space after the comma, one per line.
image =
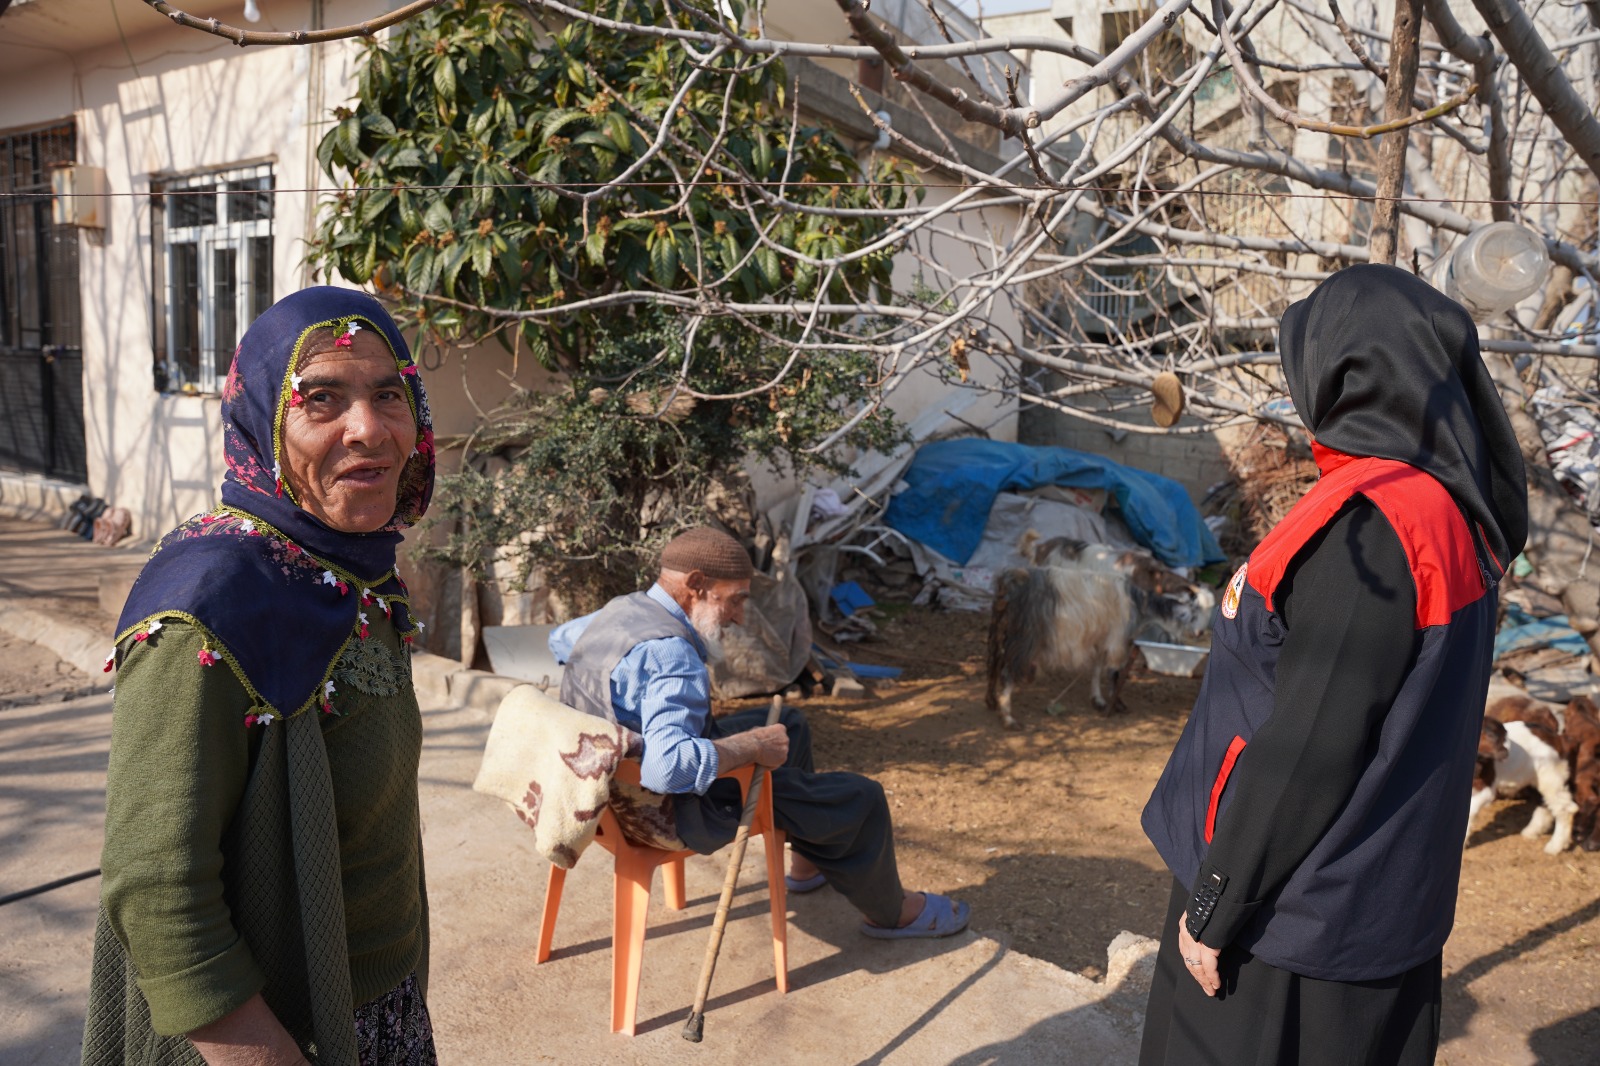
[1536,648]
[1571,430]
[1272,470]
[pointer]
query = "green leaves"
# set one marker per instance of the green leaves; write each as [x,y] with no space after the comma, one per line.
[473,171]
[471,95]
[374,206]
[771,270]
[437,219]
[761,154]
[663,259]
[560,119]
[444,79]
[422,270]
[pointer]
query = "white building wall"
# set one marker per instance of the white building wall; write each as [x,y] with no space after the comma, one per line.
[161,102]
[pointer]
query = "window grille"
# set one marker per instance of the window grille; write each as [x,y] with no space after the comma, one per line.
[212,237]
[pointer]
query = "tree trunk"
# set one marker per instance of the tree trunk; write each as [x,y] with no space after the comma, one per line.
[1403,55]
[1560,538]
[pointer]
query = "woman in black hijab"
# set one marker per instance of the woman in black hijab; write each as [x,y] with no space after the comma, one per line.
[1313,810]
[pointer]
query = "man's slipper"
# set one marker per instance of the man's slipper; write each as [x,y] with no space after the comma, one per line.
[940,916]
[800,888]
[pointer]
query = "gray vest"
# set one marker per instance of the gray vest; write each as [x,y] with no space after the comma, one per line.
[621,625]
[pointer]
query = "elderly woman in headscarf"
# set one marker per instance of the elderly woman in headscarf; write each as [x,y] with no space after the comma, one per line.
[263,893]
[1313,810]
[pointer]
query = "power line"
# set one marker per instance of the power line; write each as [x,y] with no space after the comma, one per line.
[810,186]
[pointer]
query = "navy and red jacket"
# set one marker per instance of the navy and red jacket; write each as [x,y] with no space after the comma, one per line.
[1376,893]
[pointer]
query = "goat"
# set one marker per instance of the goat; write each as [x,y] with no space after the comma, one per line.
[1140,566]
[1533,759]
[1581,734]
[1056,618]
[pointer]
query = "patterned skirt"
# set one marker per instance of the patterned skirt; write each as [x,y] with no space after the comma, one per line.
[394,1029]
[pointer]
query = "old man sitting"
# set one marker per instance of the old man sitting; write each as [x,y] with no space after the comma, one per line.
[641,661]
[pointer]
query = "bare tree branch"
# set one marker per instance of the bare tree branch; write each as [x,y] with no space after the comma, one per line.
[1541,73]
[244,38]
[1480,53]
[1285,115]
[1402,80]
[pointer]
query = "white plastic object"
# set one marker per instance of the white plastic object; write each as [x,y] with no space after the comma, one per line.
[79,196]
[1494,268]
[1176,660]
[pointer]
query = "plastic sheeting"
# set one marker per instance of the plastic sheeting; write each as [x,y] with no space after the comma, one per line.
[969,586]
[1523,632]
[951,486]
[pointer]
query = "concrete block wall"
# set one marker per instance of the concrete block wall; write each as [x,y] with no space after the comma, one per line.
[1195,460]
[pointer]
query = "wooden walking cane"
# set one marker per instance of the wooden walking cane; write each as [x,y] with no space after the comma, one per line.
[694,1028]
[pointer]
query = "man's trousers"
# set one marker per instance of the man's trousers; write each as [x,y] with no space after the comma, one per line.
[840,821]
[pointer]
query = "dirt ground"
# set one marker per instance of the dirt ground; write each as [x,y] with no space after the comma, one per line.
[1039,831]
[32,674]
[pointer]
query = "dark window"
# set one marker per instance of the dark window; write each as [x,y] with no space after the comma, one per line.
[212,238]
[41,361]
[195,206]
[260,275]
[250,199]
[184,263]
[225,298]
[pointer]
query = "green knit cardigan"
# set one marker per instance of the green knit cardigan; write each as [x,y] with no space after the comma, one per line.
[287,903]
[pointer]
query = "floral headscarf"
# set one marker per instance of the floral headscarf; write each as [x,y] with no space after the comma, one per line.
[277,593]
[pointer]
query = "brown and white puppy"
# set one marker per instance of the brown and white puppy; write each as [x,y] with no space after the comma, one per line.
[1581,735]
[1535,758]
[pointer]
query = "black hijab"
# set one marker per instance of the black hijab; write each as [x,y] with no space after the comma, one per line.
[1380,363]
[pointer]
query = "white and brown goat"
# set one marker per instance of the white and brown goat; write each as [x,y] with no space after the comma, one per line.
[1140,566]
[1059,618]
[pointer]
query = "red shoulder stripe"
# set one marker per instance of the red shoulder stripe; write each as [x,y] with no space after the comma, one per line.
[1430,527]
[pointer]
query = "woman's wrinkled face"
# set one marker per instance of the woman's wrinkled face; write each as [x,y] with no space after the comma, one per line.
[345,445]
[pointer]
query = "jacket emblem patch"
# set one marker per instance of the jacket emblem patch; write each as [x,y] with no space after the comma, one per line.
[1230,599]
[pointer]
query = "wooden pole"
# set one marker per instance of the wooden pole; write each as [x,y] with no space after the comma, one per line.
[694,1027]
[1384,241]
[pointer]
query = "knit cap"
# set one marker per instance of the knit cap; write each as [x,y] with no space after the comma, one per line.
[710,551]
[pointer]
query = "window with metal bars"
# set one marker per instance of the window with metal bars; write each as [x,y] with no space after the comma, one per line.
[212,239]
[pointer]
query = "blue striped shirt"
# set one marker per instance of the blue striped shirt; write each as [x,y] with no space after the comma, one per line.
[661,690]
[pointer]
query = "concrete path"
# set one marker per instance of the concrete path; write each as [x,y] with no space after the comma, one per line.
[964,1000]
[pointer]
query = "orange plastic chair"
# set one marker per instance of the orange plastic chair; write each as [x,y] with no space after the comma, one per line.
[635,869]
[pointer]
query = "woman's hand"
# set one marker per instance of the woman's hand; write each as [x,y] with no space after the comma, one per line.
[1203,963]
[249,1036]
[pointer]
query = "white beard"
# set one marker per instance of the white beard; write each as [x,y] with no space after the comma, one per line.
[703,616]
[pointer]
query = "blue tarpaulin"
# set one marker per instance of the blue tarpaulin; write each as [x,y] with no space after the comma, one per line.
[1521,630]
[953,483]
